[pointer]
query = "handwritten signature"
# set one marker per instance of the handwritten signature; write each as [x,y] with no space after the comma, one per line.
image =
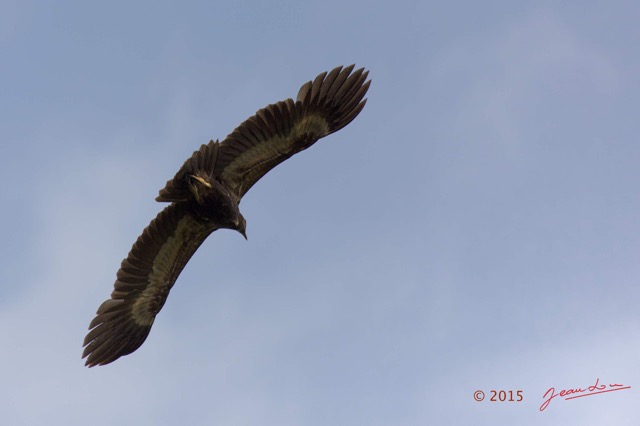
[579,392]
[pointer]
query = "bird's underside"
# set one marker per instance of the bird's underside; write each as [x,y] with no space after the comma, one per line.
[204,196]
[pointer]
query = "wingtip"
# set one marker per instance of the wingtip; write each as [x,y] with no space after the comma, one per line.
[337,94]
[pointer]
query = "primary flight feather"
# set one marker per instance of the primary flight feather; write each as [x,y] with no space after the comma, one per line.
[204,197]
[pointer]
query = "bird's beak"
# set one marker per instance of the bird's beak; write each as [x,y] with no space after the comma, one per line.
[244,234]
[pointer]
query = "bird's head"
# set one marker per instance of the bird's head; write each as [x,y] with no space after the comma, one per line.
[242,226]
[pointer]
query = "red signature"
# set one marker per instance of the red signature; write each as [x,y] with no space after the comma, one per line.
[579,392]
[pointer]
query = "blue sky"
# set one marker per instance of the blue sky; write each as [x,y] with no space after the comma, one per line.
[475,228]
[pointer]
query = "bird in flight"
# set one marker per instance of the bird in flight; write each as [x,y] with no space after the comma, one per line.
[204,197]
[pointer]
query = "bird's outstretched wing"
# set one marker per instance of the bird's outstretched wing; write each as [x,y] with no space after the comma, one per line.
[283,129]
[143,282]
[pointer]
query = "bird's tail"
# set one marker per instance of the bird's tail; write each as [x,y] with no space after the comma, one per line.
[201,163]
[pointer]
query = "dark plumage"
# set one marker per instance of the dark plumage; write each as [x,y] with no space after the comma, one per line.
[204,197]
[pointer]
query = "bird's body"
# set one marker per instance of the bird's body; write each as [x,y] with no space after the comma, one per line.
[205,195]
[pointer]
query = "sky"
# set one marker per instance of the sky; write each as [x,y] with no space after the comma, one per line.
[475,228]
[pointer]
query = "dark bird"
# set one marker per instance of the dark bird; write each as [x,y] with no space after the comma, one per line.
[204,197]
